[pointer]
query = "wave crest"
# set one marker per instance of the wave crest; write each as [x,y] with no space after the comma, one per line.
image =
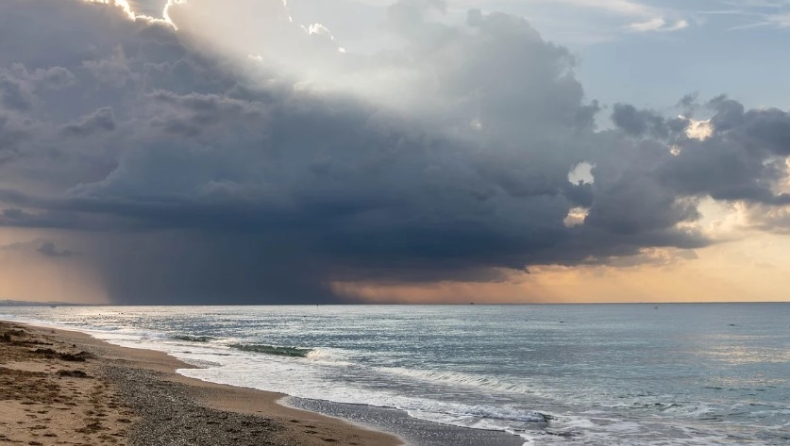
[187,338]
[294,352]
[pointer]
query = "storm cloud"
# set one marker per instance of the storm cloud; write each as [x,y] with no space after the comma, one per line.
[263,166]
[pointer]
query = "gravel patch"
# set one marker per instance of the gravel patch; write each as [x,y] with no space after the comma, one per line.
[169,416]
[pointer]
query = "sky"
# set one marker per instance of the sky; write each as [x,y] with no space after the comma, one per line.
[394,151]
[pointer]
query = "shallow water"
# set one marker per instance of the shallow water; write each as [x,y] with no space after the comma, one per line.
[571,375]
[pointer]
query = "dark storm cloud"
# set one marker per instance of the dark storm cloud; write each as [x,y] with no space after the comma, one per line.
[49,249]
[204,176]
[15,217]
[743,159]
[18,86]
[763,132]
[46,248]
[102,120]
[13,94]
[639,122]
[191,114]
[12,134]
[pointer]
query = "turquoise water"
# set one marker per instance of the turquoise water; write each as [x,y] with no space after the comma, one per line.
[570,375]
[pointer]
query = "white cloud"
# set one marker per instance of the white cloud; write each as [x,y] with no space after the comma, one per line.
[753,13]
[575,217]
[700,130]
[648,18]
[658,24]
[778,20]
[132,15]
[623,7]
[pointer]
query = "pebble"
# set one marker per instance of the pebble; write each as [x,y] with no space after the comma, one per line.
[169,415]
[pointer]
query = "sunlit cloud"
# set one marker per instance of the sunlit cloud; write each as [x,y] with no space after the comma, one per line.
[132,15]
[319,29]
[658,24]
[624,7]
[700,130]
[649,18]
[576,217]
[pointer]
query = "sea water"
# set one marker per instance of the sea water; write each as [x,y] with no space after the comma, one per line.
[553,374]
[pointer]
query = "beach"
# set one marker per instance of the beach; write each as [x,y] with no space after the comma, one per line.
[62,387]
[433,376]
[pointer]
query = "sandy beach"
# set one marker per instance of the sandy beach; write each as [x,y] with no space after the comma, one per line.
[67,388]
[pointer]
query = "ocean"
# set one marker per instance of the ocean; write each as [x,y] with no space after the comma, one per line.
[670,374]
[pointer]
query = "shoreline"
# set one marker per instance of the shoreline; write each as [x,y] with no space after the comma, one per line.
[126,396]
[287,420]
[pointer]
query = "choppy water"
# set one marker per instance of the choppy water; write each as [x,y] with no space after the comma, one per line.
[603,374]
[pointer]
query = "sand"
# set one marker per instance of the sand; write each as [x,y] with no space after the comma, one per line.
[66,388]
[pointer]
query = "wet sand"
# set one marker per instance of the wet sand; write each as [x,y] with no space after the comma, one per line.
[66,388]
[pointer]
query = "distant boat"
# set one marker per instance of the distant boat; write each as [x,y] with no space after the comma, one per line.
[656,307]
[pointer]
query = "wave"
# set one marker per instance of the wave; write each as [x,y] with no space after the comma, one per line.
[460,378]
[187,338]
[294,352]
